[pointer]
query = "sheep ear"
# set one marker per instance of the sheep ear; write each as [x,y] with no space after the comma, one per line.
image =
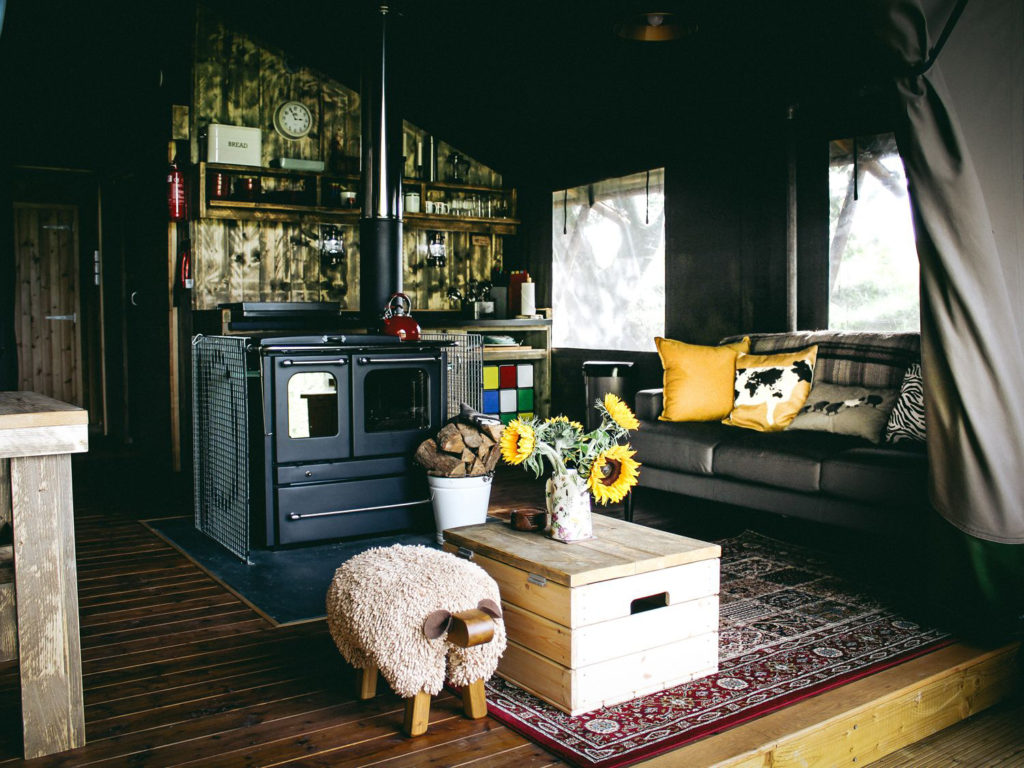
[490,607]
[436,624]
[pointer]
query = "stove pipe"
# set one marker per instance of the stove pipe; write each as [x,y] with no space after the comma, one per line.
[380,228]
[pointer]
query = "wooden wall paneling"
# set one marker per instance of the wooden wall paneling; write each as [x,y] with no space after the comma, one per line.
[209,254]
[227,76]
[350,298]
[8,617]
[279,83]
[244,250]
[273,266]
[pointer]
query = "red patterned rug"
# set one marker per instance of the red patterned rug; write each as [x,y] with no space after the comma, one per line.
[789,628]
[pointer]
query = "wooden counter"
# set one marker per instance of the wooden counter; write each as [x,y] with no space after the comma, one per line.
[37,436]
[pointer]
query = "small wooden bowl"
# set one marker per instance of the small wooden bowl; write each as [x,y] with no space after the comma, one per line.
[529,519]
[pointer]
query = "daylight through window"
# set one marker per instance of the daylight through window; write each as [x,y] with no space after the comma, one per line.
[873,266]
[608,272]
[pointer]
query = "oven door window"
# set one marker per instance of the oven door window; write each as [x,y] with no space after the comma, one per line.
[312,405]
[396,399]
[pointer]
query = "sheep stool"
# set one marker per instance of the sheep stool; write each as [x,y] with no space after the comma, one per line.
[411,612]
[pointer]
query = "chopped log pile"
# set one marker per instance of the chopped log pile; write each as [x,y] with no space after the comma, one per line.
[469,445]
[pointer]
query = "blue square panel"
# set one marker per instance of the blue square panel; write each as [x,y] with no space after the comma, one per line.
[491,401]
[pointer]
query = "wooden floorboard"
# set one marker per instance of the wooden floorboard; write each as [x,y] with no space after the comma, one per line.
[179,672]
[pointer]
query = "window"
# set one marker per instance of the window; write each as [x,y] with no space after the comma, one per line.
[608,271]
[873,266]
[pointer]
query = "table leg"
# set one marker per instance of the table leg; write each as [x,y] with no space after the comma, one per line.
[46,588]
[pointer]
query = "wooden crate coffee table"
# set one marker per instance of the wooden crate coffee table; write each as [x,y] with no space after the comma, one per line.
[632,611]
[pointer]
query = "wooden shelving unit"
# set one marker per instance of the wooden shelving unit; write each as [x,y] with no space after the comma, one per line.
[313,193]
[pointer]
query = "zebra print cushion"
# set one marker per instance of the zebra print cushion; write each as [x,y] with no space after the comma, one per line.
[906,422]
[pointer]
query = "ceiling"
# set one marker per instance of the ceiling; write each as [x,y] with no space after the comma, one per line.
[543,86]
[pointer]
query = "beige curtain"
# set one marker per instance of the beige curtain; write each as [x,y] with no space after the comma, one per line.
[972,357]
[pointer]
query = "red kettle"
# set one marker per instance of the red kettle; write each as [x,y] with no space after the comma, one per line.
[397,320]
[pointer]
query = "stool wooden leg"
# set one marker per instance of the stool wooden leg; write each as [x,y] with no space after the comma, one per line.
[474,700]
[366,682]
[417,714]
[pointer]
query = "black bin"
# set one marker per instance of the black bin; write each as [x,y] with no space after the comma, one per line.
[599,378]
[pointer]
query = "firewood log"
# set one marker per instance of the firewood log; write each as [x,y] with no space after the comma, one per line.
[459,470]
[468,456]
[492,458]
[485,443]
[478,468]
[494,431]
[429,457]
[470,436]
[449,439]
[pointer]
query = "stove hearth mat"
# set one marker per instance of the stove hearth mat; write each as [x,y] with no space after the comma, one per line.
[285,586]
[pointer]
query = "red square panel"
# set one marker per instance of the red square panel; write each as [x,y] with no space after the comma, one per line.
[507,376]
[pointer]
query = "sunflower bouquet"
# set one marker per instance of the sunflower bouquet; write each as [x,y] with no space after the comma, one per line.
[599,457]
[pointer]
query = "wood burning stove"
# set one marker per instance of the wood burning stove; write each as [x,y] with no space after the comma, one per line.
[333,423]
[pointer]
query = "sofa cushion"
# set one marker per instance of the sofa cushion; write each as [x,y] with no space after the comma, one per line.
[771,389]
[848,358]
[907,420]
[882,475]
[860,411]
[698,379]
[680,446]
[649,404]
[785,459]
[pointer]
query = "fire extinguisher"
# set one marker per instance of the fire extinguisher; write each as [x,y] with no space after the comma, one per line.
[185,270]
[177,204]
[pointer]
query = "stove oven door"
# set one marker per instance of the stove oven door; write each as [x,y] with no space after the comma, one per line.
[396,400]
[311,407]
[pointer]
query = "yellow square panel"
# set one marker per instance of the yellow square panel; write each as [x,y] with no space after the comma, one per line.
[490,377]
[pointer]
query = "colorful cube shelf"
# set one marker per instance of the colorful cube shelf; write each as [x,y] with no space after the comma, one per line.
[508,391]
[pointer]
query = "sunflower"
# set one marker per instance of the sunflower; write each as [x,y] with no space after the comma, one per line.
[613,473]
[554,419]
[620,412]
[517,442]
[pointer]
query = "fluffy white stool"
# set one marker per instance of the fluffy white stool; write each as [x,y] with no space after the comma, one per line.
[412,613]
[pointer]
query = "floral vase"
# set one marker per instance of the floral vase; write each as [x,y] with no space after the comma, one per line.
[568,502]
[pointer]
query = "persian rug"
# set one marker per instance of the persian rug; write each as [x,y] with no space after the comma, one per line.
[792,623]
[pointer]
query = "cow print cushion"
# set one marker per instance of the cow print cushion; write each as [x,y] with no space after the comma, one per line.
[906,422]
[771,389]
[858,411]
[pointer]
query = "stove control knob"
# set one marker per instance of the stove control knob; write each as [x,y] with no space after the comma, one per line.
[308,473]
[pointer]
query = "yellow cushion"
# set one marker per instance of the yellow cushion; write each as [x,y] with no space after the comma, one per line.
[771,389]
[698,380]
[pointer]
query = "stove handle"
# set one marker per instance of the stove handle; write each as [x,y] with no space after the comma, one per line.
[297,516]
[373,360]
[339,361]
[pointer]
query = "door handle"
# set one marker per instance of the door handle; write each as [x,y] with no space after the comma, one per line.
[374,360]
[73,317]
[289,363]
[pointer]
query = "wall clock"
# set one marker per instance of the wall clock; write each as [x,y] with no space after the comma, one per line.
[293,120]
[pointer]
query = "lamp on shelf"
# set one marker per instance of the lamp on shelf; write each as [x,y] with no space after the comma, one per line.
[332,246]
[437,251]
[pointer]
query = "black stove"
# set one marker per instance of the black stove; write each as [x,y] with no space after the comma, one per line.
[334,420]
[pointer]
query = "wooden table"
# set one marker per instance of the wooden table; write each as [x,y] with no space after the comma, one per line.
[594,623]
[37,436]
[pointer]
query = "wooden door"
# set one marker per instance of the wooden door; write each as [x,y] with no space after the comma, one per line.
[46,303]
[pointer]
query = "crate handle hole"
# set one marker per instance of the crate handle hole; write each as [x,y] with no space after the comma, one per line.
[648,603]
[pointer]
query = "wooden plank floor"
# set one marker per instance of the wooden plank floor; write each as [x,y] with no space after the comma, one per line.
[178,672]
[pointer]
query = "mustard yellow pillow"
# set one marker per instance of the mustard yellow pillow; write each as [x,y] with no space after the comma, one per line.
[771,389]
[698,380]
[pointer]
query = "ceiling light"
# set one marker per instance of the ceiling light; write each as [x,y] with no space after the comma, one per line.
[653,26]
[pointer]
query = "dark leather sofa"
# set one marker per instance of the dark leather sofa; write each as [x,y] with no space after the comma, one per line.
[830,478]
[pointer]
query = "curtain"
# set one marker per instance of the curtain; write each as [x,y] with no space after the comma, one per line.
[972,357]
[608,264]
